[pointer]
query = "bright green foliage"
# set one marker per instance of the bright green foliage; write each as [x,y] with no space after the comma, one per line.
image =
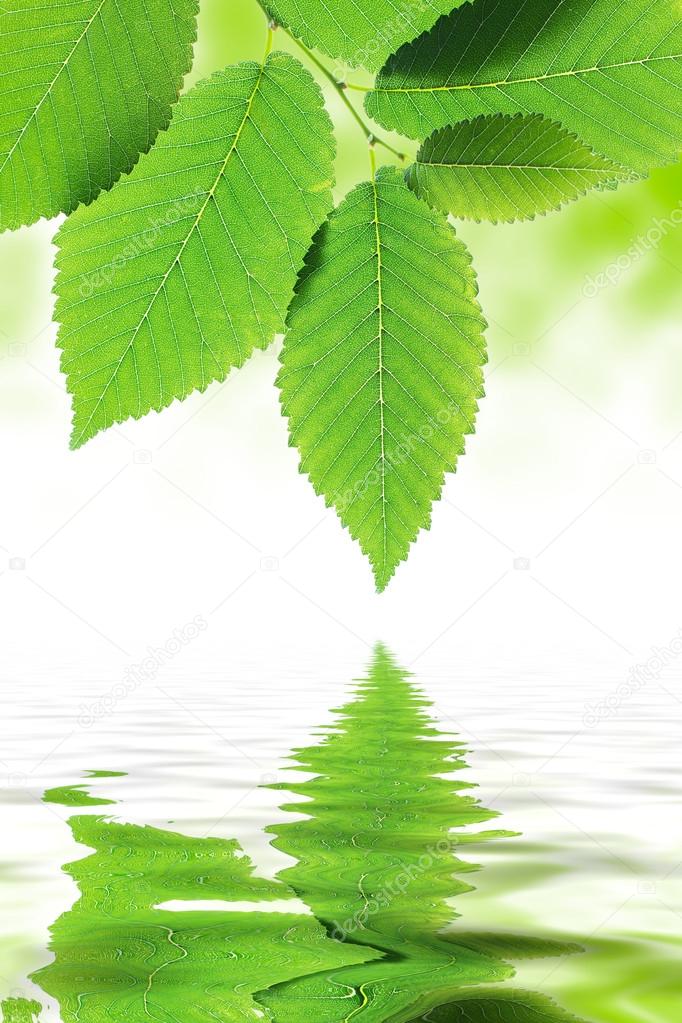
[173,278]
[74,795]
[85,86]
[507,168]
[362,33]
[611,72]
[376,859]
[118,959]
[495,1006]
[20,1010]
[382,364]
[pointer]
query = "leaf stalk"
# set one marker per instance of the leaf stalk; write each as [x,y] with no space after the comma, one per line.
[340,87]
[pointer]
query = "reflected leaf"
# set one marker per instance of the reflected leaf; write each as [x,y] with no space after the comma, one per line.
[20,1010]
[384,822]
[501,1007]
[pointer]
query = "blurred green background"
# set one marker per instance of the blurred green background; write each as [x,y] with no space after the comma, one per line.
[532,275]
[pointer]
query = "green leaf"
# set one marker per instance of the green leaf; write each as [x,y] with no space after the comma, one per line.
[362,33]
[507,168]
[119,957]
[495,1006]
[611,73]
[382,364]
[376,845]
[175,276]
[85,86]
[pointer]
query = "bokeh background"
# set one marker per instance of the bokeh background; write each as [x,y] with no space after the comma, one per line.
[552,569]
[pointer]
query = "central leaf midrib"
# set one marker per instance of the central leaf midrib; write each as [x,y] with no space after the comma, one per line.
[382,424]
[183,246]
[473,86]
[515,166]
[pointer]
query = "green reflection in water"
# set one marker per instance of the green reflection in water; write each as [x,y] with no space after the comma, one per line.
[20,1010]
[78,795]
[377,857]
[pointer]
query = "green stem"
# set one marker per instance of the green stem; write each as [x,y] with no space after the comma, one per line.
[340,87]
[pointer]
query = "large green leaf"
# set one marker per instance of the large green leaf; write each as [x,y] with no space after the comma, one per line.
[176,275]
[611,72]
[382,364]
[120,959]
[507,168]
[377,858]
[361,33]
[85,85]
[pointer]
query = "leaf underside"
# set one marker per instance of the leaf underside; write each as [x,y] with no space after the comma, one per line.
[84,89]
[611,73]
[506,168]
[175,277]
[362,33]
[382,364]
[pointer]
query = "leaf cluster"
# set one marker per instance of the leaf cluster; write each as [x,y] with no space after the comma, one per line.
[202,227]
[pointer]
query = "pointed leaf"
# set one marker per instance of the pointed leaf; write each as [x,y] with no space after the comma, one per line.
[382,365]
[362,33]
[507,168]
[612,73]
[375,854]
[84,88]
[175,276]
